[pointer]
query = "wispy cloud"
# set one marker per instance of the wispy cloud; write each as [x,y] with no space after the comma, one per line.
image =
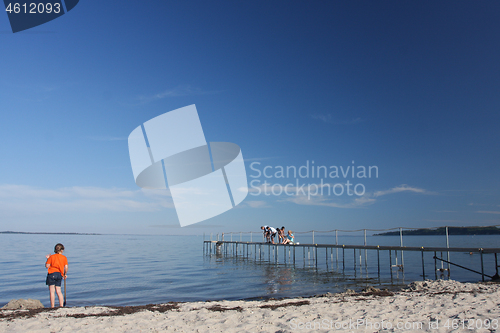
[322,195]
[257,204]
[28,200]
[488,212]
[328,118]
[403,188]
[107,138]
[321,200]
[181,90]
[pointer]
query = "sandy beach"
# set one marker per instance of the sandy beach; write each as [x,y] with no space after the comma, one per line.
[427,306]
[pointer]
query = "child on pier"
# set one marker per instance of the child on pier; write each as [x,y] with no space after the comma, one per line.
[281,235]
[290,239]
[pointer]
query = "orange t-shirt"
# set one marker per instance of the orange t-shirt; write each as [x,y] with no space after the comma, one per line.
[57,262]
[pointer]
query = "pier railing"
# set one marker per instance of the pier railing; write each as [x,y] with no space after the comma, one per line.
[232,241]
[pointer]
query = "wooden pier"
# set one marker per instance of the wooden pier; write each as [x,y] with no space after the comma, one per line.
[260,249]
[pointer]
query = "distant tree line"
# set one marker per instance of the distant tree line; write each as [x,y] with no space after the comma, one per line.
[442,231]
[45,233]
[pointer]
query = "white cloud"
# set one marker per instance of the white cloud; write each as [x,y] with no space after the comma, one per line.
[181,90]
[323,194]
[23,199]
[257,204]
[320,200]
[488,212]
[402,188]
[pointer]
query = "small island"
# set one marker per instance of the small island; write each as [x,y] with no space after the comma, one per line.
[45,233]
[442,231]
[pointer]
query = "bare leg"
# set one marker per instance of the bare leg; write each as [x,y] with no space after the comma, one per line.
[52,290]
[60,296]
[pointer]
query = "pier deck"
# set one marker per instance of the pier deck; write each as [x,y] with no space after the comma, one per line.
[220,246]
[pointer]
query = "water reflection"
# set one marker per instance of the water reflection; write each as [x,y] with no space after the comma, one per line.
[277,279]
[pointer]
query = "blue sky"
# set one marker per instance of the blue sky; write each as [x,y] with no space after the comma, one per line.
[409,87]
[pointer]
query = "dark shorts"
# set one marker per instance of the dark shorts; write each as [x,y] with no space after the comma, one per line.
[54,279]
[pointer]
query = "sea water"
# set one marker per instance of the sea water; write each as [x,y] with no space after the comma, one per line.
[140,269]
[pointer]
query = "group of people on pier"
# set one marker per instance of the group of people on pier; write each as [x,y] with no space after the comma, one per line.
[270,233]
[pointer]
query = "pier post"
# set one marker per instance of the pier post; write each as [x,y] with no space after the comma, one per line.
[294,255]
[354,260]
[448,255]
[316,254]
[390,262]
[343,257]
[496,265]
[360,261]
[401,242]
[378,260]
[482,265]
[423,266]
[326,257]
[366,253]
[435,266]
[337,249]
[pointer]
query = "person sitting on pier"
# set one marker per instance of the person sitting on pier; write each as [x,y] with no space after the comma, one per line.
[290,239]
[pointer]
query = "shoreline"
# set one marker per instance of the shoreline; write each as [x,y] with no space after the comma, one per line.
[426,303]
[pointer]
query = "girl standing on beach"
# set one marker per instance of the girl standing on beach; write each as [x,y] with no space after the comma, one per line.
[57,265]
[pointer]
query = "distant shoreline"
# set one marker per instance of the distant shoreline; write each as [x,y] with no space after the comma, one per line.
[47,233]
[442,231]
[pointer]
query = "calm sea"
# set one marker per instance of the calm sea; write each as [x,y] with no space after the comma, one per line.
[131,270]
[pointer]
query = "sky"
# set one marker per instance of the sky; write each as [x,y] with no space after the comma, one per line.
[410,89]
